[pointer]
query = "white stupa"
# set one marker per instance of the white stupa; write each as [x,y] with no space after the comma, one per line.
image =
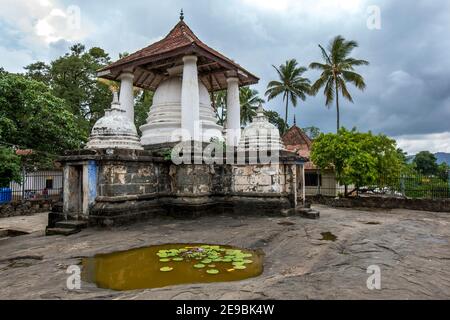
[114,130]
[164,119]
[260,134]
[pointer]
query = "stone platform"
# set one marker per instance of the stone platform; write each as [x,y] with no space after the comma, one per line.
[410,247]
[114,187]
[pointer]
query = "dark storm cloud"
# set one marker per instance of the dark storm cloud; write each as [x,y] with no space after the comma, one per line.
[408,87]
[408,82]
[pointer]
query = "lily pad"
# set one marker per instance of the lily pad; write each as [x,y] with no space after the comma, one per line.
[164,260]
[206,261]
[240,267]
[247,261]
[211,266]
[199,266]
[166,269]
[212,271]
[177,259]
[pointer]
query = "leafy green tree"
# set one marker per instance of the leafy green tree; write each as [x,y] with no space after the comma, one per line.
[73,77]
[291,85]
[39,71]
[359,159]
[219,104]
[275,119]
[32,117]
[443,171]
[426,163]
[337,70]
[10,168]
[403,156]
[249,101]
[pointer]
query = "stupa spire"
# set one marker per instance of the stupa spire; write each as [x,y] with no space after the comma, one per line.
[181,15]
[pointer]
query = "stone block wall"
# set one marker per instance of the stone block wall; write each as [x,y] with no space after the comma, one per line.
[268,178]
[433,205]
[14,209]
[120,178]
[136,184]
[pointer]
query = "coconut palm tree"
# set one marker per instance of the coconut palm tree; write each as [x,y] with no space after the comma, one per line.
[291,84]
[337,70]
[250,101]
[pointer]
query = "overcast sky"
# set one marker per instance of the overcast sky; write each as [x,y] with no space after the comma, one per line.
[408,80]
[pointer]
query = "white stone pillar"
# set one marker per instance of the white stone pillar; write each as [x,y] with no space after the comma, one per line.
[233,112]
[190,99]
[126,94]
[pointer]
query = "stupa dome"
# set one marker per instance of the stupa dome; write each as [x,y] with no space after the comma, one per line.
[164,118]
[114,130]
[260,134]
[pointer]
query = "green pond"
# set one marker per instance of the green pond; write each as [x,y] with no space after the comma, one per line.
[171,264]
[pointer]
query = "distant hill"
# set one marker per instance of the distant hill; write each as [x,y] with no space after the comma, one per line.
[440,156]
[443,157]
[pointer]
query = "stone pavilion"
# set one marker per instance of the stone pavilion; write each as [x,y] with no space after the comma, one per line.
[120,177]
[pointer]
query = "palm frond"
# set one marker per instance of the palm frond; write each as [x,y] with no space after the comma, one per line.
[325,55]
[329,92]
[354,78]
[318,66]
[344,90]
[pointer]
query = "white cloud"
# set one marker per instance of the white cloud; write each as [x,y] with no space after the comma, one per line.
[436,142]
[44,22]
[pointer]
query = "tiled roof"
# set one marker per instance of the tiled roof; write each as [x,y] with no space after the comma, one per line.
[296,140]
[181,36]
[296,136]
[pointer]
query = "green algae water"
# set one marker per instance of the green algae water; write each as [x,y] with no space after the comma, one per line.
[171,264]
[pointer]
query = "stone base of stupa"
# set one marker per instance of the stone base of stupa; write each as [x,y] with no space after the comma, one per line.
[109,187]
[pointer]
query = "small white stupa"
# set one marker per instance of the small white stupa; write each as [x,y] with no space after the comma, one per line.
[260,134]
[114,130]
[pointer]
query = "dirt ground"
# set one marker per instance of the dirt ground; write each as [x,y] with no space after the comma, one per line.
[411,248]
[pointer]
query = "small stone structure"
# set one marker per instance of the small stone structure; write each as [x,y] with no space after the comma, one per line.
[116,179]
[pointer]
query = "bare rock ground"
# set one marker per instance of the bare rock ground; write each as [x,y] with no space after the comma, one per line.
[411,248]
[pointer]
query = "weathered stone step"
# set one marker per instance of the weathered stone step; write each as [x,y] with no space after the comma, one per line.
[312,214]
[61,231]
[72,224]
[308,213]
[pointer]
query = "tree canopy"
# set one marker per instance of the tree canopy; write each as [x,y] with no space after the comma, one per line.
[359,159]
[10,167]
[32,117]
[426,163]
[73,77]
